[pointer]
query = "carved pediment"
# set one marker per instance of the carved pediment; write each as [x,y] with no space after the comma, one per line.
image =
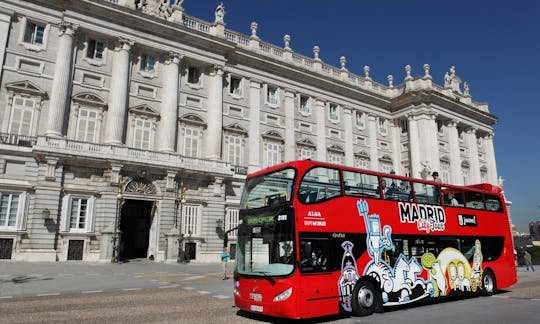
[89,99]
[385,158]
[193,120]
[273,135]
[235,128]
[336,148]
[362,154]
[306,142]
[144,110]
[27,87]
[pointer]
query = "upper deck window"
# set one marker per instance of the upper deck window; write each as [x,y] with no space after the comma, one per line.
[268,190]
[319,184]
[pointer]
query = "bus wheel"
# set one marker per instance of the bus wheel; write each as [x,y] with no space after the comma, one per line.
[364,298]
[489,285]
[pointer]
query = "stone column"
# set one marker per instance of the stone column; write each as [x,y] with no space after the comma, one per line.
[215,114]
[473,155]
[395,135]
[428,142]
[414,147]
[5,23]
[490,158]
[254,126]
[320,116]
[118,95]
[289,126]
[373,146]
[61,81]
[455,157]
[349,148]
[169,104]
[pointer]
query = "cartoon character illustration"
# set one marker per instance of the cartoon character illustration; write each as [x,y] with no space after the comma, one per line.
[349,275]
[401,283]
[476,273]
[436,275]
[452,272]
[462,281]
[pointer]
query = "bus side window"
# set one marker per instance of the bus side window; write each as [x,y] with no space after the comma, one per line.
[474,200]
[493,203]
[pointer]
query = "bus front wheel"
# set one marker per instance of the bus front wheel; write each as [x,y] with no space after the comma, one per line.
[489,285]
[364,298]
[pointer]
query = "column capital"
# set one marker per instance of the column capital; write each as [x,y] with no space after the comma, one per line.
[452,123]
[347,110]
[217,69]
[255,83]
[471,130]
[67,28]
[173,58]
[123,44]
[289,93]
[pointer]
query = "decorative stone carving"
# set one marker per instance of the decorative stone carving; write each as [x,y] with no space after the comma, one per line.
[254,27]
[316,51]
[287,41]
[390,79]
[343,62]
[220,14]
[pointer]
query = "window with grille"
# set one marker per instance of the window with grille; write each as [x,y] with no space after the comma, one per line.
[194,75]
[87,125]
[235,86]
[360,119]
[95,49]
[272,95]
[306,153]
[191,141]
[9,209]
[190,220]
[22,114]
[148,63]
[33,33]
[361,162]
[335,158]
[142,130]
[78,213]
[231,221]
[234,150]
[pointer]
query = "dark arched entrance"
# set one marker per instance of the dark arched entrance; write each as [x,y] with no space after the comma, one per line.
[135,226]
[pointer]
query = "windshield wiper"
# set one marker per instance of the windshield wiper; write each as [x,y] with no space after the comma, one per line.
[265,274]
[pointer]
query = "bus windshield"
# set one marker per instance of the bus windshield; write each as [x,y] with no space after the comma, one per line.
[266,244]
[268,190]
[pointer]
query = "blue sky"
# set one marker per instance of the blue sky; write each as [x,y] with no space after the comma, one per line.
[494,45]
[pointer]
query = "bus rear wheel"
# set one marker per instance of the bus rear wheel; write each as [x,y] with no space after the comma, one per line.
[364,298]
[489,286]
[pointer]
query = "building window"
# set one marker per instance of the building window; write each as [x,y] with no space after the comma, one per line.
[22,115]
[78,213]
[142,131]
[304,105]
[33,33]
[190,220]
[404,125]
[191,141]
[445,171]
[272,95]
[87,125]
[383,126]
[333,112]
[306,153]
[360,119]
[234,150]
[9,209]
[194,75]
[440,128]
[95,49]
[386,167]
[361,162]
[235,86]
[148,63]
[335,158]
[231,221]
[273,155]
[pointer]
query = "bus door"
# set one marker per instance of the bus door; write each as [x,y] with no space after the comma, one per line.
[318,279]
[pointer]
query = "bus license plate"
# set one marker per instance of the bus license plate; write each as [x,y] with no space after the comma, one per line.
[256,308]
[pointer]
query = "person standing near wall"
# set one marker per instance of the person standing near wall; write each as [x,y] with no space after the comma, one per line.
[224,262]
[528,260]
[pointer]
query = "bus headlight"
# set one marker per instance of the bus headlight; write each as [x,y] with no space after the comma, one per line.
[283,296]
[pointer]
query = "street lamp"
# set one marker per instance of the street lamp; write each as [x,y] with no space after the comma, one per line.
[116,238]
[180,200]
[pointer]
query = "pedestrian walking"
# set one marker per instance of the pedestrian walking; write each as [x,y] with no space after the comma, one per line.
[224,262]
[528,260]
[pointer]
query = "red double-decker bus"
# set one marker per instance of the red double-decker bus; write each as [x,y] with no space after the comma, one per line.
[317,239]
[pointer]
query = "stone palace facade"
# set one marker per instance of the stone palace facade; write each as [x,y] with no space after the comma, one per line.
[133,117]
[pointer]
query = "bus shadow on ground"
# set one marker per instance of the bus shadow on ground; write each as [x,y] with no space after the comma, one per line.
[387,309]
[24,279]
